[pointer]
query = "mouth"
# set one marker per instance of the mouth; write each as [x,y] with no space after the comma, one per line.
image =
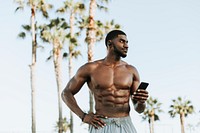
[125,50]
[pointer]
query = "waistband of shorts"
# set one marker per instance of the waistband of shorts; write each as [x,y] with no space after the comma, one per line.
[116,120]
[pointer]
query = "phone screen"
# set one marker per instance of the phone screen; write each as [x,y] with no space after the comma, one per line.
[143,85]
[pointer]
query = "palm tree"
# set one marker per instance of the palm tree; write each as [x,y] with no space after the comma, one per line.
[34,5]
[55,34]
[91,29]
[183,108]
[74,9]
[66,125]
[104,28]
[92,32]
[151,112]
[90,39]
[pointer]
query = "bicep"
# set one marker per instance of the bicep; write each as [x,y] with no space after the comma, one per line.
[136,80]
[76,83]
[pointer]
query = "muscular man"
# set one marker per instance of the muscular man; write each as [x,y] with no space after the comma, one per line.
[113,83]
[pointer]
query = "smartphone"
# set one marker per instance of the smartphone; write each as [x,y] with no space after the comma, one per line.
[143,85]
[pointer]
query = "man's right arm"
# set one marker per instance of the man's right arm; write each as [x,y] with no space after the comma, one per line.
[73,87]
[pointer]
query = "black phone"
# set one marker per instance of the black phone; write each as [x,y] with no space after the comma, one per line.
[143,85]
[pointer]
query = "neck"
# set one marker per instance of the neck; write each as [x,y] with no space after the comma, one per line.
[112,59]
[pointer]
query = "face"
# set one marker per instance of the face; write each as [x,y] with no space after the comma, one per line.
[120,45]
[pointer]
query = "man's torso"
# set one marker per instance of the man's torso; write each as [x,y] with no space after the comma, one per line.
[111,88]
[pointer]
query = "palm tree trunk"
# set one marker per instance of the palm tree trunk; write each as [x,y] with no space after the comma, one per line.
[57,67]
[91,41]
[150,127]
[32,67]
[182,117]
[70,75]
[91,30]
[70,64]
[152,124]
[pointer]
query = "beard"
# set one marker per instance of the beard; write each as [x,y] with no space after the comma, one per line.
[120,53]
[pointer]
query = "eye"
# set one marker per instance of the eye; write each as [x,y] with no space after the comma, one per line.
[121,41]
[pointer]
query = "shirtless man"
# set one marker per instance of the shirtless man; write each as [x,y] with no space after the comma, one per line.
[113,83]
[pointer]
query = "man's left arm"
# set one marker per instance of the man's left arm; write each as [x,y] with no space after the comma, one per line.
[138,96]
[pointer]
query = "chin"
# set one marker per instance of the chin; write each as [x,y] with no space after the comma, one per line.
[123,56]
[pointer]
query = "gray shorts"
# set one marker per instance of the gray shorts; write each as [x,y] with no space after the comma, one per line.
[115,125]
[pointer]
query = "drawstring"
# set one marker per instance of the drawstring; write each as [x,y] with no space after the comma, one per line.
[117,122]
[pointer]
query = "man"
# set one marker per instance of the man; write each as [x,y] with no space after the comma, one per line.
[113,82]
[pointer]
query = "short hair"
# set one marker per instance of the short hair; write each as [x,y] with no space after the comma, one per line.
[113,34]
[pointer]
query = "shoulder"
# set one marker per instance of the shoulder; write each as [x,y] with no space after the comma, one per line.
[131,68]
[89,67]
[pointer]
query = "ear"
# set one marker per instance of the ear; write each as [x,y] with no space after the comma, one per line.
[109,43]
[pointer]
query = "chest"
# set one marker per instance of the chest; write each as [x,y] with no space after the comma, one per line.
[106,77]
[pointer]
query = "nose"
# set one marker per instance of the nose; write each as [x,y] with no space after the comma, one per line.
[126,44]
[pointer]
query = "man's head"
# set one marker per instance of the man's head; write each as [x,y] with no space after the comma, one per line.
[113,34]
[117,43]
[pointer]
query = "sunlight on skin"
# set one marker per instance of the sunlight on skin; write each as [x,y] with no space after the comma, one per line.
[163,45]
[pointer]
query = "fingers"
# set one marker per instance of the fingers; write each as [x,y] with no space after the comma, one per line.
[94,120]
[101,116]
[140,95]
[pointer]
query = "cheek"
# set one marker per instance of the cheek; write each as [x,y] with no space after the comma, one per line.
[117,46]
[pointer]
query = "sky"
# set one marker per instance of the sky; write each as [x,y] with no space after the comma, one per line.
[164,45]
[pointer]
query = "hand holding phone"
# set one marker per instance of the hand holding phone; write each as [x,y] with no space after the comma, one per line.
[141,94]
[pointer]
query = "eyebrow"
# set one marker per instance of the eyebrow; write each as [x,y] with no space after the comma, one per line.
[123,40]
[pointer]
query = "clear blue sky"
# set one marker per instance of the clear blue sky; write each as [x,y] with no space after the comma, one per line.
[164,41]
